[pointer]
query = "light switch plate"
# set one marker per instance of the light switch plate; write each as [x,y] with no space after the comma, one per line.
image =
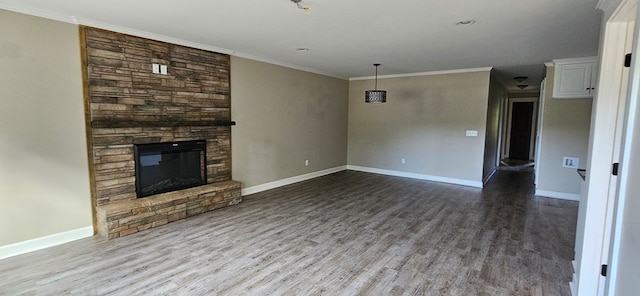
[155,68]
[471,133]
[163,69]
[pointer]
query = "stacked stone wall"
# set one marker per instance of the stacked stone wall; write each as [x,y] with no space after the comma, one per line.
[126,103]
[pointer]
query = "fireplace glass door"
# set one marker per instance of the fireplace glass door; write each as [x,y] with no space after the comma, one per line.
[164,167]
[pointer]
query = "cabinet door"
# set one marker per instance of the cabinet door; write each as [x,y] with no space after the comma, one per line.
[573,81]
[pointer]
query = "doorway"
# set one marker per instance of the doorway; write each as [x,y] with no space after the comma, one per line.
[520,136]
[520,133]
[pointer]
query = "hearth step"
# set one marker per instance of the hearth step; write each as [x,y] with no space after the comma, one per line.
[126,217]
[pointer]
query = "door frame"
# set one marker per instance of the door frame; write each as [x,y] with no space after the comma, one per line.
[627,150]
[598,200]
[534,119]
[536,163]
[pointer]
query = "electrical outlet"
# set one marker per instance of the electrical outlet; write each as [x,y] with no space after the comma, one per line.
[403,161]
[471,133]
[163,69]
[155,68]
[570,162]
[306,162]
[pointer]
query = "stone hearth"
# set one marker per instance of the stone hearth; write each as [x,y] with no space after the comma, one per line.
[127,217]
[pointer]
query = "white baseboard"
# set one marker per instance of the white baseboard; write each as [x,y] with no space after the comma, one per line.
[288,181]
[558,195]
[45,242]
[573,283]
[486,179]
[416,176]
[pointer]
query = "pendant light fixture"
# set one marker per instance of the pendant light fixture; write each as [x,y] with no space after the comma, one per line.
[375,95]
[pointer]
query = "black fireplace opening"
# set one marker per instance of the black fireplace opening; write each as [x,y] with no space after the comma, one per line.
[164,167]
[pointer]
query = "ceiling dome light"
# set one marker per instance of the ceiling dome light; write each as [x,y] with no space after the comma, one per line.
[465,22]
[522,86]
[520,78]
[375,95]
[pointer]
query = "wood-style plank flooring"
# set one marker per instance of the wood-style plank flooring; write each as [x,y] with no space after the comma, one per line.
[348,233]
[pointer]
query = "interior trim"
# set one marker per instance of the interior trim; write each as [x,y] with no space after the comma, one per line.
[455,181]
[39,13]
[443,72]
[45,242]
[106,26]
[291,180]
[488,177]
[558,195]
[124,30]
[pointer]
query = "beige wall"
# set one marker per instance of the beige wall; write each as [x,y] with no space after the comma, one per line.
[497,100]
[565,132]
[424,121]
[284,117]
[44,182]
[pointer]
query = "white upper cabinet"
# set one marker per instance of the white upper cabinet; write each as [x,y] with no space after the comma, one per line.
[575,78]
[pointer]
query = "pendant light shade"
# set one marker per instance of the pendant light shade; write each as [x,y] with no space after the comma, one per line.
[375,95]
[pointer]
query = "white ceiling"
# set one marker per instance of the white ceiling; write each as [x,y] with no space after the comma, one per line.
[345,38]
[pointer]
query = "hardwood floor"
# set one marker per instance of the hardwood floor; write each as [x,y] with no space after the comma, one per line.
[348,233]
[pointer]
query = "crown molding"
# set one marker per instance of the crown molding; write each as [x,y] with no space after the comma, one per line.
[39,13]
[608,5]
[148,35]
[443,72]
[125,30]
[282,64]
[106,26]
[618,10]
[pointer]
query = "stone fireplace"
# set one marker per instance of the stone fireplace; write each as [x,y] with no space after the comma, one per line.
[130,106]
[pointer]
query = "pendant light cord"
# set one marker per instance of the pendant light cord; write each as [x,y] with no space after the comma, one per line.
[376,86]
[376,83]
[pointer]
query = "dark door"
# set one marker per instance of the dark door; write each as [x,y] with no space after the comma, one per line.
[521,118]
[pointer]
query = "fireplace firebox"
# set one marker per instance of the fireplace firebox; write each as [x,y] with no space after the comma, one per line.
[164,167]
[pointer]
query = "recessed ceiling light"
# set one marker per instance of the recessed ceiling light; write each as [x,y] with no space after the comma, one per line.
[465,23]
[302,49]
